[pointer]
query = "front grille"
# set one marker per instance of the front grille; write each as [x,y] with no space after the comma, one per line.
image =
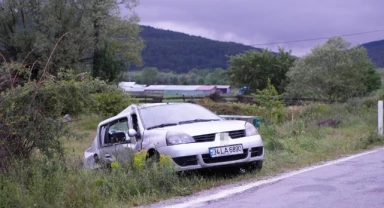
[207,158]
[205,138]
[237,134]
[186,160]
[257,151]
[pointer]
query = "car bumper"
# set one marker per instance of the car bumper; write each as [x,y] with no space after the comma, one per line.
[196,155]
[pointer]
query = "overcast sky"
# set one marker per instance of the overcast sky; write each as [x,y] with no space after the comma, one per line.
[263,21]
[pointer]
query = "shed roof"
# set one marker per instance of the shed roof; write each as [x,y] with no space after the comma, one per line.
[223,86]
[127,83]
[131,86]
[206,87]
[172,87]
[186,87]
[134,89]
[155,87]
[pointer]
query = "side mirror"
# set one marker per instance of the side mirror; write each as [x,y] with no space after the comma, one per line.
[132,132]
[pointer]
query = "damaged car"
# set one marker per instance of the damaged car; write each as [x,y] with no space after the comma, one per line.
[193,136]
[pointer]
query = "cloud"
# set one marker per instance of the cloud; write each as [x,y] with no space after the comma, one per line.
[258,21]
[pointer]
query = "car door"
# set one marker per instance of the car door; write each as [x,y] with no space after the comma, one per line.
[136,124]
[115,142]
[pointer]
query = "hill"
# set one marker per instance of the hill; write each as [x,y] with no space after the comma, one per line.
[181,52]
[375,51]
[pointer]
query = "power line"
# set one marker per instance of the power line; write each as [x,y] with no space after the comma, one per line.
[313,39]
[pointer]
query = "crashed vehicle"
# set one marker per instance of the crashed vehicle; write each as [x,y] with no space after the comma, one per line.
[192,135]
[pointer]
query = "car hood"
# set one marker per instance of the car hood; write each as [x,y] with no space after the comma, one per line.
[210,127]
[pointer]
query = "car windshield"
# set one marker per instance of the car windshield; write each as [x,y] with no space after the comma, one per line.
[174,114]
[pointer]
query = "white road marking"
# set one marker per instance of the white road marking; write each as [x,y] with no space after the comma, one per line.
[229,192]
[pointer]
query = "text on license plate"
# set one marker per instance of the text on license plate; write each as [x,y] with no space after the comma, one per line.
[226,150]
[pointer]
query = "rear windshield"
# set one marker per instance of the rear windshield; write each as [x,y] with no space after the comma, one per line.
[174,113]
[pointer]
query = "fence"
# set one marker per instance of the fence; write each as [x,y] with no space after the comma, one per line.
[223,98]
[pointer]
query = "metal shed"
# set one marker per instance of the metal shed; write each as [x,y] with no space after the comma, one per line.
[224,89]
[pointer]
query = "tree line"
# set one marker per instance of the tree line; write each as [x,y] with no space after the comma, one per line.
[92,36]
[181,52]
[152,75]
[335,70]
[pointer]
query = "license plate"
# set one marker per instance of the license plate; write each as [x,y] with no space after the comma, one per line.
[226,150]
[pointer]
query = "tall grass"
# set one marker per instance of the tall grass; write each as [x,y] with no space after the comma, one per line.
[298,142]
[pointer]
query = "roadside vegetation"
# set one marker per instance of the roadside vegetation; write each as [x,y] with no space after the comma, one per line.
[304,135]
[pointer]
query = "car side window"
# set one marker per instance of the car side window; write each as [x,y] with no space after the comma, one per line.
[116,132]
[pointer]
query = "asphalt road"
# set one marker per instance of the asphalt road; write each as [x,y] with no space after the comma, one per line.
[355,181]
[358,182]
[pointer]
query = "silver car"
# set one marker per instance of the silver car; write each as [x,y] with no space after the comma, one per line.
[192,135]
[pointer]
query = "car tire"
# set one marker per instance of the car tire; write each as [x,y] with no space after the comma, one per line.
[153,156]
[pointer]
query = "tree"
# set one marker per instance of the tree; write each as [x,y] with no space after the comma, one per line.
[149,75]
[94,31]
[335,71]
[253,68]
[217,77]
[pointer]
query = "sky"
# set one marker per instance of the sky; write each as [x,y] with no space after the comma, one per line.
[254,22]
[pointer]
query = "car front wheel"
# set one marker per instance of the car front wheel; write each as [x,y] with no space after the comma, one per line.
[257,165]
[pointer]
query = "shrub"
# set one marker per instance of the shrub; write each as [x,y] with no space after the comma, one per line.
[30,122]
[30,114]
[369,140]
[271,137]
[268,99]
[111,102]
[316,111]
[230,108]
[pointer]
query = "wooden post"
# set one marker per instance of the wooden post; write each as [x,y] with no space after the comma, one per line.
[183,98]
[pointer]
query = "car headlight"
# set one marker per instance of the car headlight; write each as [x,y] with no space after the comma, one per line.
[175,138]
[250,130]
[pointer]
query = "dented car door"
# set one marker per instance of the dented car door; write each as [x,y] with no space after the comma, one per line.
[115,142]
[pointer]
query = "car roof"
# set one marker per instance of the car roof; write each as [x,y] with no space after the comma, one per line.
[147,105]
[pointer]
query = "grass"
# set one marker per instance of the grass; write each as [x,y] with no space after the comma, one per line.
[295,143]
[85,128]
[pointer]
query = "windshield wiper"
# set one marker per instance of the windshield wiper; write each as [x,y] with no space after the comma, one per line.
[162,125]
[197,120]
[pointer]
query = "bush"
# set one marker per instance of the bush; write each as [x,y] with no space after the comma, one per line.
[30,122]
[369,141]
[111,102]
[268,99]
[30,115]
[230,108]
